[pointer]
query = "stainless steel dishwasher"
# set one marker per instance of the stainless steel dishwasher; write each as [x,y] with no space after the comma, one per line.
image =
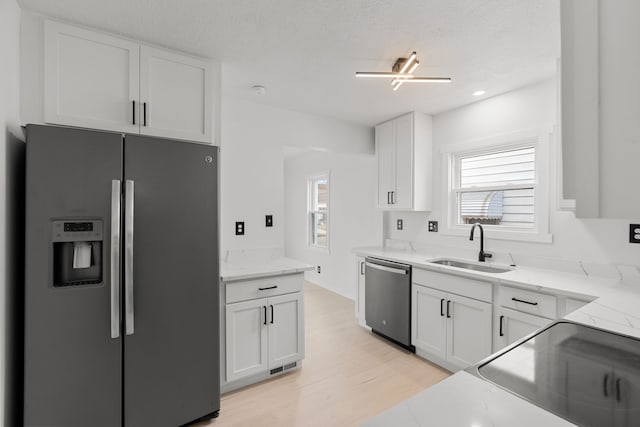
[388,300]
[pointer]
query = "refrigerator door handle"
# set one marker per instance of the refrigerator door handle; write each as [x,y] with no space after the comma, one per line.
[128,261]
[115,257]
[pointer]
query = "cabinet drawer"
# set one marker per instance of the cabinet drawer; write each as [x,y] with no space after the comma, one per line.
[475,289]
[528,301]
[260,288]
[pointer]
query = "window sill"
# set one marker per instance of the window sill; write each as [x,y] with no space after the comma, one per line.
[490,233]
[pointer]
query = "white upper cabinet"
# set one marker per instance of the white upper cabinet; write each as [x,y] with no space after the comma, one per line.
[403,150]
[99,81]
[90,79]
[175,95]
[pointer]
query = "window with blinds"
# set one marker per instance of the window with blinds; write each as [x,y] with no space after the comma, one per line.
[318,211]
[496,187]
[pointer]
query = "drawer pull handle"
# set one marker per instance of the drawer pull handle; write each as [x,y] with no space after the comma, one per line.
[442,307]
[501,331]
[521,300]
[270,287]
[271,313]
[265,314]
[448,315]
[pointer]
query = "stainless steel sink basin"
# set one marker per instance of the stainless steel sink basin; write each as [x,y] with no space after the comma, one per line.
[470,266]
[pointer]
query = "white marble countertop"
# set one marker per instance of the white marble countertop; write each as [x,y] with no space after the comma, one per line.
[465,400]
[254,268]
[569,284]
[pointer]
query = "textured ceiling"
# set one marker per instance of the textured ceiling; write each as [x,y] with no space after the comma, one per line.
[305,52]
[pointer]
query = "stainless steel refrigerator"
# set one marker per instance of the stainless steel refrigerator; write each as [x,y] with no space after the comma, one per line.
[121,286]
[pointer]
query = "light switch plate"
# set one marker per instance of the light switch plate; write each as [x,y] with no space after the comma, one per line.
[239,228]
[399,224]
[433,226]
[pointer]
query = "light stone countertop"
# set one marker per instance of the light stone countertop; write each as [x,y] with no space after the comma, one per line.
[255,268]
[465,400]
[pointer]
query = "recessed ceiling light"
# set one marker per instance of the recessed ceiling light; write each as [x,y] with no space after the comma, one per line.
[479,92]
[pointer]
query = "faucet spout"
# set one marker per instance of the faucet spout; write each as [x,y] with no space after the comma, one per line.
[482,256]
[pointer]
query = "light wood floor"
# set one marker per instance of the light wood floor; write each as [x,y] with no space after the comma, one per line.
[348,375]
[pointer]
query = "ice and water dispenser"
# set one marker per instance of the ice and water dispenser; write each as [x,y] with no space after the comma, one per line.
[77,252]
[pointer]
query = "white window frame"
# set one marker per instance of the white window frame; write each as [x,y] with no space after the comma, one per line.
[537,138]
[310,180]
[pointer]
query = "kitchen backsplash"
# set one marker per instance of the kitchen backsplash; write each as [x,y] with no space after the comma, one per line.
[625,272]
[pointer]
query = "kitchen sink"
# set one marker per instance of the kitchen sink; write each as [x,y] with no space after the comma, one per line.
[470,265]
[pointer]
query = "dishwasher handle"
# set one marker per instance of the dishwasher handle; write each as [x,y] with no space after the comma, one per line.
[401,271]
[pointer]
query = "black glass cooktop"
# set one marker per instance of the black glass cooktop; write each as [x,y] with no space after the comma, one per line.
[586,375]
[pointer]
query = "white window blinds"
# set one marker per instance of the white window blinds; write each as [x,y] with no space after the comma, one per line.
[496,187]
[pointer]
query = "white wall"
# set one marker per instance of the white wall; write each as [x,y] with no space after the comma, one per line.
[252,165]
[353,220]
[11,216]
[598,241]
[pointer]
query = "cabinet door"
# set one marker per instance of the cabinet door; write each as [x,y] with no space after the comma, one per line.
[286,329]
[246,337]
[428,320]
[90,79]
[385,152]
[469,331]
[403,135]
[175,91]
[513,325]
[626,394]
[586,389]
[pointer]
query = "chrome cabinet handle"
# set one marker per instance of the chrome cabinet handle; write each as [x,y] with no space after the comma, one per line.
[521,300]
[115,257]
[128,261]
[270,287]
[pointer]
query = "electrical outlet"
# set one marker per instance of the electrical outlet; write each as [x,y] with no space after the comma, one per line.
[268,221]
[239,228]
[318,269]
[433,226]
[399,224]
[634,233]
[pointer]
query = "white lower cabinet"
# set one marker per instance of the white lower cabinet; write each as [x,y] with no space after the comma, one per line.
[262,328]
[285,330]
[247,340]
[453,328]
[264,334]
[513,325]
[520,312]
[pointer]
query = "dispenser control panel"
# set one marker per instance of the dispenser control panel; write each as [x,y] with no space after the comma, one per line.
[78,226]
[77,231]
